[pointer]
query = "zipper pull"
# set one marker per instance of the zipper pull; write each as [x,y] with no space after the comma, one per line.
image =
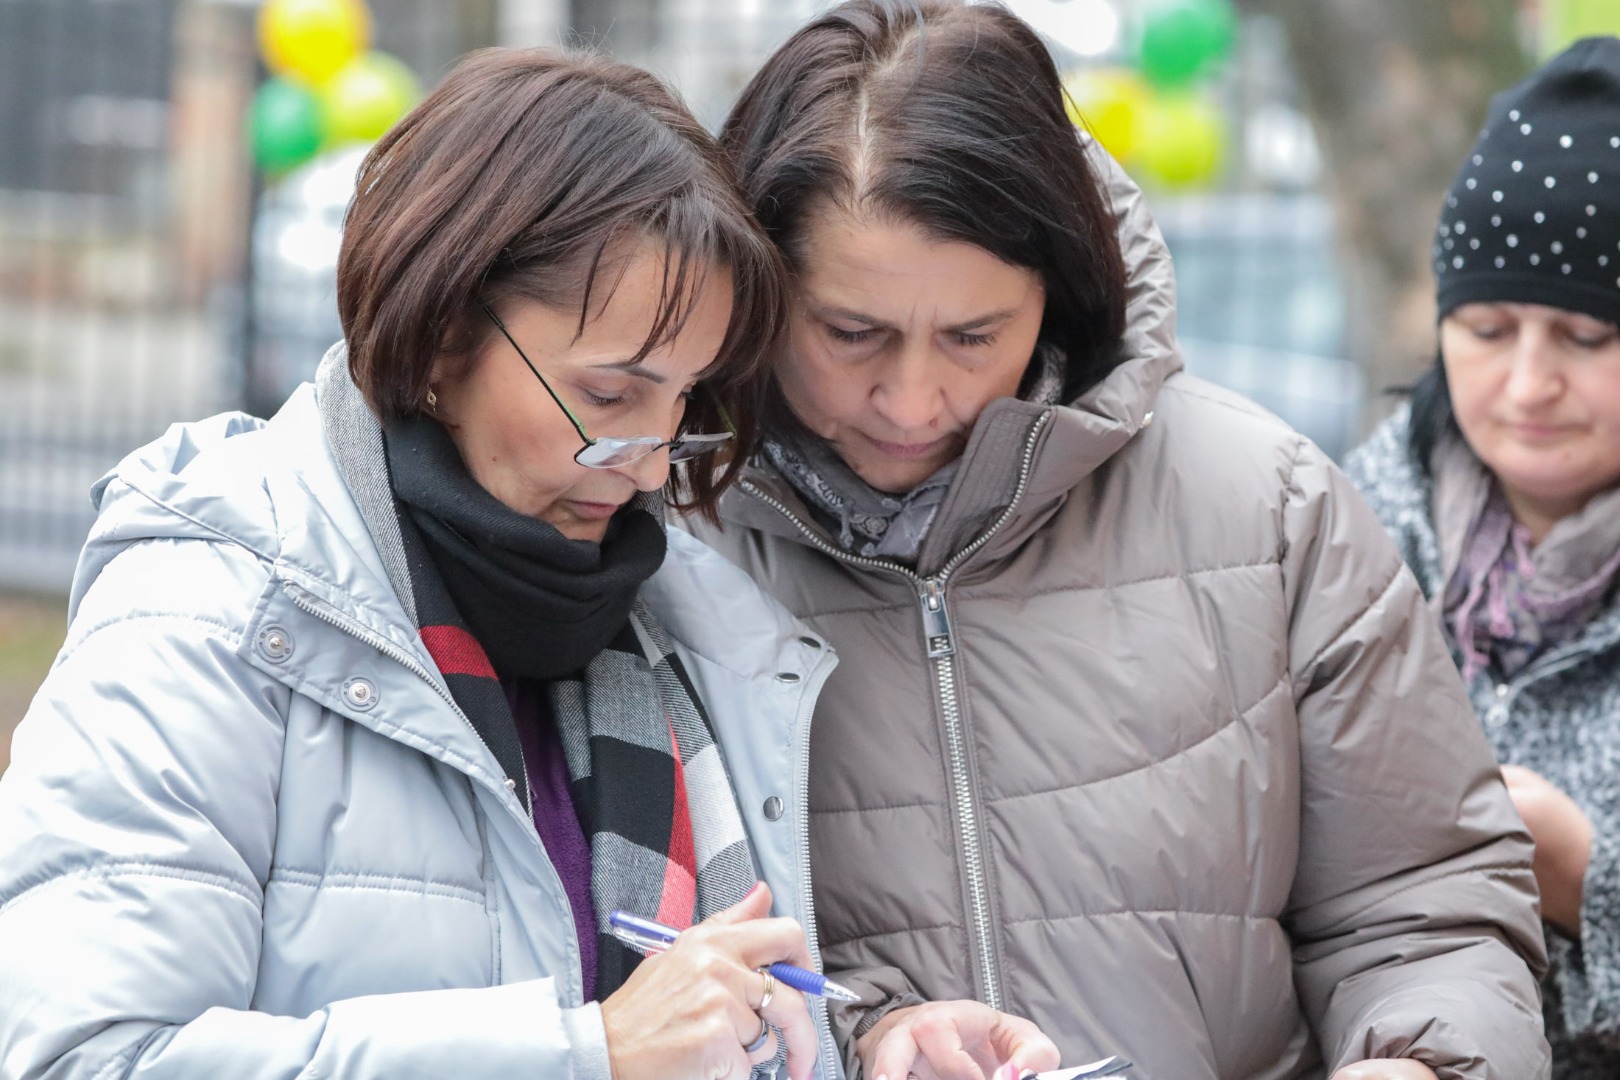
[937,636]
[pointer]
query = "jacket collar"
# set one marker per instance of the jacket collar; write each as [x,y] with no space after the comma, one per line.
[355,439]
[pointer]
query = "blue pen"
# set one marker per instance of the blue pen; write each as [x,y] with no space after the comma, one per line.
[654,937]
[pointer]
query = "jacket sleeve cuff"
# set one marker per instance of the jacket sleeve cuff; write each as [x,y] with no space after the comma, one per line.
[587,1040]
[878,1012]
[868,1019]
[1588,973]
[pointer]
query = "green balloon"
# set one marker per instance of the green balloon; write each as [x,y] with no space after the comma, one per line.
[284,125]
[1566,21]
[1181,39]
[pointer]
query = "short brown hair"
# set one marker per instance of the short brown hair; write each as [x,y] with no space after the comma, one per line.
[520,175]
[951,117]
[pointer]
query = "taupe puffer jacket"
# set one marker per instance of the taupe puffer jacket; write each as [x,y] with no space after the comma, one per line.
[1157,746]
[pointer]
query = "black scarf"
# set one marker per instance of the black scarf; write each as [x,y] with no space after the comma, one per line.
[499,595]
[540,604]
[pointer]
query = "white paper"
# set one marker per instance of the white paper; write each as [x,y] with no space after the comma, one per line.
[1079,1072]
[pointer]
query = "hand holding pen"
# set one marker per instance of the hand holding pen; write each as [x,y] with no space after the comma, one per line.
[705,1007]
[654,937]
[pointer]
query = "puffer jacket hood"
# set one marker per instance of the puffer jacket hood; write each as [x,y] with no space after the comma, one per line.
[1156,746]
[244,787]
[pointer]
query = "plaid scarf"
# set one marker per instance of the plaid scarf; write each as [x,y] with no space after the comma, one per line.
[667,839]
[650,786]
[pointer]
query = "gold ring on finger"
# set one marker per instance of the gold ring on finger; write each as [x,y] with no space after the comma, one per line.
[770,990]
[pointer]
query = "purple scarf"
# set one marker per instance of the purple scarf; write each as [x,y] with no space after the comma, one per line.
[1507,601]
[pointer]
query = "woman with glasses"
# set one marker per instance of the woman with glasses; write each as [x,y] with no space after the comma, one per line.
[1139,728]
[371,716]
[1500,482]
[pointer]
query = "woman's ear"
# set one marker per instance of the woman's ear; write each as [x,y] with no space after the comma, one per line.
[463,337]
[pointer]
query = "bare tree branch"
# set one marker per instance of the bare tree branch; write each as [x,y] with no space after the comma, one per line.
[1397,92]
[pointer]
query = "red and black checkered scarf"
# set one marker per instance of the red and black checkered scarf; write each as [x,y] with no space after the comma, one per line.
[502,596]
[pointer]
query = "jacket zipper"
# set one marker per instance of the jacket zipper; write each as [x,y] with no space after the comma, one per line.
[939,646]
[329,614]
[807,897]
[308,602]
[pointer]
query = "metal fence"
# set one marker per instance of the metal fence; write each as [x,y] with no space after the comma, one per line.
[126,209]
[93,346]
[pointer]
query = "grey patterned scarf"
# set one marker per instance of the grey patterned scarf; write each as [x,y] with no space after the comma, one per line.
[878,524]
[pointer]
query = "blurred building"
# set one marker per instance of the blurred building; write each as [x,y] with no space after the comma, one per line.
[147,275]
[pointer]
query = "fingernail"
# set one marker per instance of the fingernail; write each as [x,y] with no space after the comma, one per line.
[757,886]
[1008,1071]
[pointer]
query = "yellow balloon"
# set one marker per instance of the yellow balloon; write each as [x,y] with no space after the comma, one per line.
[1181,140]
[312,40]
[1108,102]
[367,97]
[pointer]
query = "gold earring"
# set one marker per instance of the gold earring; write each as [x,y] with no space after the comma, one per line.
[432,401]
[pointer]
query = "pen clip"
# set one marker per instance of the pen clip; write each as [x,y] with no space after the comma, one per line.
[643,934]
[642,942]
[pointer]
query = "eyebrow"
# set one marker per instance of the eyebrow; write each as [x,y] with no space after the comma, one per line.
[634,367]
[959,328]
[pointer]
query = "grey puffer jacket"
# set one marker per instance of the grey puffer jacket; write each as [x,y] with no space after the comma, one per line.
[246,832]
[1157,746]
[1559,716]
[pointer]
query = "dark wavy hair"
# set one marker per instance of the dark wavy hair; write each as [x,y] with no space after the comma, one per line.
[950,117]
[527,172]
[1432,417]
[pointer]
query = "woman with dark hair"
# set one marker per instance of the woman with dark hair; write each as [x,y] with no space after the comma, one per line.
[1138,730]
[1501,486]
[369,716]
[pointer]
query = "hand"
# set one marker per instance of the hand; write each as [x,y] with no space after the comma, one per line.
[686,1014]
[1563,836]
[953,1040]
[1386,1069]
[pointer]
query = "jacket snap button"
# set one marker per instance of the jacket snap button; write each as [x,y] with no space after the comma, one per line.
[810,642]
[360,693]
[1147,418]
[789,677]
[773,808]
[511,784]
[275,644]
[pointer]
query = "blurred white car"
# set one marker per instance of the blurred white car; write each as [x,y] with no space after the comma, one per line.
[296,235]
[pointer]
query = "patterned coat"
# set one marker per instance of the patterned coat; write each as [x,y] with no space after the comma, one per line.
[1559,716]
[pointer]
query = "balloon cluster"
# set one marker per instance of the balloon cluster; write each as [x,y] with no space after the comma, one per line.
[327,87]
[1156,117]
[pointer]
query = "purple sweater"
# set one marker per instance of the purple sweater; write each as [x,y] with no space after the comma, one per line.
[555,818]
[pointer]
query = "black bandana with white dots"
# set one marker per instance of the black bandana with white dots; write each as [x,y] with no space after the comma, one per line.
[1534,215]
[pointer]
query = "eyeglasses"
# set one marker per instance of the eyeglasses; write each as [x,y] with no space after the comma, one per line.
[610,453]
